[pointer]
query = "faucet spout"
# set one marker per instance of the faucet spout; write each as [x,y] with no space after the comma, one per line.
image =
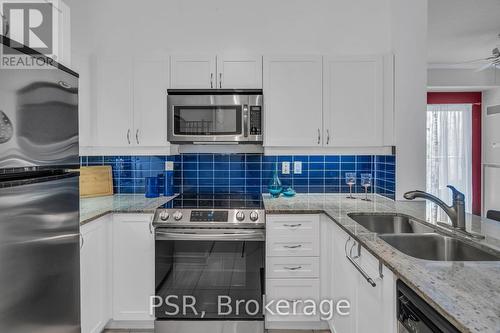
[456,211]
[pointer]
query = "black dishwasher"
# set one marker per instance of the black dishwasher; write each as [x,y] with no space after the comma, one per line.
[416,316]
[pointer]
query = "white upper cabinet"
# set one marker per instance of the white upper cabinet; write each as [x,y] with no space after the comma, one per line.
[131,104]
[239,72]
[216,72]
[193,72]
[353,101]
[293,101]
[114,102]
[150,101]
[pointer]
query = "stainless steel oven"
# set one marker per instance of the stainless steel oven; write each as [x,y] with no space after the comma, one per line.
[205,264]
[222,116]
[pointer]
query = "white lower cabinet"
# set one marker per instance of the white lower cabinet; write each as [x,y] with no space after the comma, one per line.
[372,307]
[117,272]
[323,272]
[292,271]
[94,278]
[133,266]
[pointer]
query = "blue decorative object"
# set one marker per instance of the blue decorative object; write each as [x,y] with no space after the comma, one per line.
[275,186]
[152,190]
[169,179]
[289,192]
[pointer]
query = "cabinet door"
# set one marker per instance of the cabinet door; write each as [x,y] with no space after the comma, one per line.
[114,102]
[376,306]
[353,101]
[151,78]
[491,136]
[94,278]
[239,72]
[344,283]
[133,266]
[193,72]
[293,101]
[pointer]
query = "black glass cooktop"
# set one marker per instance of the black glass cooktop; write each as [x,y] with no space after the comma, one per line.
[217,201]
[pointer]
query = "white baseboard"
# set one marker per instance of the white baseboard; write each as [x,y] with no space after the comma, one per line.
[131,324]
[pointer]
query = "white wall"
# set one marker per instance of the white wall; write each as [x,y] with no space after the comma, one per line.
[462,78]
[409,41]
[211,26]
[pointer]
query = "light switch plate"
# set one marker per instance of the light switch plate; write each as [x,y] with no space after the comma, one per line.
[285,168]
[297,167]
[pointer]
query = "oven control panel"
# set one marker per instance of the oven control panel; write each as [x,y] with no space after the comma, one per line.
[208,216]
[247,218]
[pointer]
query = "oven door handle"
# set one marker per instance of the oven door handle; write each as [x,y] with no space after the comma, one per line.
[254,235]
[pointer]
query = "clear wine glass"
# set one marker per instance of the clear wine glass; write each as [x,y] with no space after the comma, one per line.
[350,179]
[366,182]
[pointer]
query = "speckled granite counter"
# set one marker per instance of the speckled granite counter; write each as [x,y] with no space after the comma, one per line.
[466,293]
[93,208]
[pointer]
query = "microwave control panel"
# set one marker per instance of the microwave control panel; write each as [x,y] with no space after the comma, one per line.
[255,120]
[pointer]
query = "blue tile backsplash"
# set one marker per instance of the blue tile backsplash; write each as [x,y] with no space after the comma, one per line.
[249,173]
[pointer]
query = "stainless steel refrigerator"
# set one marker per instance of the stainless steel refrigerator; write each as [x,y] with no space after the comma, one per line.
[39,200]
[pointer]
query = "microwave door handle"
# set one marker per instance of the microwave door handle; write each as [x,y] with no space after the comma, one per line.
[245,120]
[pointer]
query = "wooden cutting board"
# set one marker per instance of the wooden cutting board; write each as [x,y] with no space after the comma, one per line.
[96,181]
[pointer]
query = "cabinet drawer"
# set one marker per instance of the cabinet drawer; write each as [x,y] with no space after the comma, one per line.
[292,247]
[292,292]
[292,267]
[289,226]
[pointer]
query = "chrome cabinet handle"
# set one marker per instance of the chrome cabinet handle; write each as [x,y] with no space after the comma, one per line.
[292,225]
[293,268]
[137,136]
[319,136]
[292,246]
[82,240]
[211,80]
[220,80]
[327,137]
[356,265]
[128,136]
[151,227]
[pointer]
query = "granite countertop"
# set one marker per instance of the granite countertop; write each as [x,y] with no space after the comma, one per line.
[93,208]
[466,293]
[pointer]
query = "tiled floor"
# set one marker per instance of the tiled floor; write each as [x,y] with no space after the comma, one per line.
[269,331]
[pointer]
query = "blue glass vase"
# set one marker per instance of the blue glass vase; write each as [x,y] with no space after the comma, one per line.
[275,186]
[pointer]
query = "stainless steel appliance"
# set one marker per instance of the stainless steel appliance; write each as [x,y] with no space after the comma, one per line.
[222,116]
[416,316]
[208,246]
[39,200]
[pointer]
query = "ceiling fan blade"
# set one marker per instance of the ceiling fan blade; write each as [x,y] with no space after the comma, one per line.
[485,67]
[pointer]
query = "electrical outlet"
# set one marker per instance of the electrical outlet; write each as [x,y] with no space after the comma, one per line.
[169,166]
[297,167]
[285,168]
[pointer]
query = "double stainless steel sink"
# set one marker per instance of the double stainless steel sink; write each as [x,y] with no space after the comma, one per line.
[421,241]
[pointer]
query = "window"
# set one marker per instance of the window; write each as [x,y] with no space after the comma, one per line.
[449,153]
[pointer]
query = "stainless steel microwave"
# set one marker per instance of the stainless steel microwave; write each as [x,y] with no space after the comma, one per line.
[222,116]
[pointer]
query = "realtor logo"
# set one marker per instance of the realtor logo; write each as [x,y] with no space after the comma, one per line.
[31,26]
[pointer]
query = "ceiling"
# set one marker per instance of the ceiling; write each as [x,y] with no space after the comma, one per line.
[461,30]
